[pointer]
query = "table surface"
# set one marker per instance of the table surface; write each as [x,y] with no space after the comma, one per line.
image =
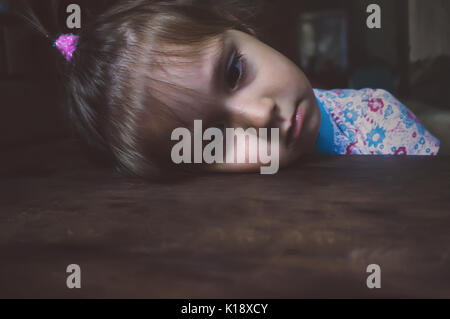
[309,231]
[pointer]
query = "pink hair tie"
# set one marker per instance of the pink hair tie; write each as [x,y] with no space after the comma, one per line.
[67,44]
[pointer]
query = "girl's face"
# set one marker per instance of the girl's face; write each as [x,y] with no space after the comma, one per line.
[253,86]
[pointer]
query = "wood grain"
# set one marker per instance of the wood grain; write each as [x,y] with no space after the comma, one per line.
[309,231]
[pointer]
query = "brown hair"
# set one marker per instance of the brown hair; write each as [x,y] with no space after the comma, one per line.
[120,110]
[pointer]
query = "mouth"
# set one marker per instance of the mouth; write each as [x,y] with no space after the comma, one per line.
[296,126]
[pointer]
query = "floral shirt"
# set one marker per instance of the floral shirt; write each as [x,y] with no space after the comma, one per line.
[370,122]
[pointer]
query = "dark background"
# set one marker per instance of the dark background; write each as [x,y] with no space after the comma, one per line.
[329,39]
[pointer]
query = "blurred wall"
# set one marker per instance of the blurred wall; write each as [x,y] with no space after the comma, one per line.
[383,43]
[429,28]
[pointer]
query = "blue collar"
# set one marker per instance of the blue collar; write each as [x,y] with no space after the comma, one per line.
[325,141]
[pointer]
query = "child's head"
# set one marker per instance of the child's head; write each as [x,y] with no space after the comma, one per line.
[145,68]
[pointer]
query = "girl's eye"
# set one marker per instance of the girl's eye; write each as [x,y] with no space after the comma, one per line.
[235,70]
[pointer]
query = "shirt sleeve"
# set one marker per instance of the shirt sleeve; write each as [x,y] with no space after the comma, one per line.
[374,122]
[394,129]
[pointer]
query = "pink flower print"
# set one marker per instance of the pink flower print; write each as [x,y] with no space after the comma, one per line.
[401,151]
[376,105]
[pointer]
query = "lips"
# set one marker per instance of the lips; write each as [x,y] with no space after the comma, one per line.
[296,126]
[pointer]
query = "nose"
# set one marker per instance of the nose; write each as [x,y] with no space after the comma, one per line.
[257,113]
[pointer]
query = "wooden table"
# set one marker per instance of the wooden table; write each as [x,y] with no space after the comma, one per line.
[310,231]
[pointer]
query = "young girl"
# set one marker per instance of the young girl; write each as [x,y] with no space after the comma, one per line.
[144,68]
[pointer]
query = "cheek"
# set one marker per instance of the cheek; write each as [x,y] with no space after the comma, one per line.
[281,82]
[291,77]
